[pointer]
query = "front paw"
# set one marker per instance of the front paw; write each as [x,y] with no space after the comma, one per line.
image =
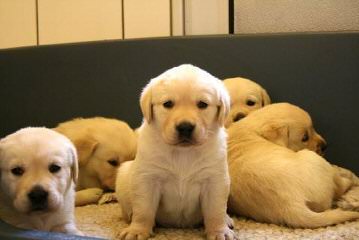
[68,228]
[88,196]
[229,221]
[107,198]
[222,234]
[134,233]
[77,232]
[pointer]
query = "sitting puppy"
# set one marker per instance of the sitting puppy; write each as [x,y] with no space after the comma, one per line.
[38,169]
[246,96]
[102,145]
[179,177]
[273,181]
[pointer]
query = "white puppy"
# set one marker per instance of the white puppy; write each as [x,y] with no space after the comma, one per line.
[38,170]
[179,177]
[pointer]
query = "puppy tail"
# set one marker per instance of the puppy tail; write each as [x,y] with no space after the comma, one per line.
[307,218]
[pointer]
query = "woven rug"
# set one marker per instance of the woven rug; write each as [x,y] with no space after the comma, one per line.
[105,220]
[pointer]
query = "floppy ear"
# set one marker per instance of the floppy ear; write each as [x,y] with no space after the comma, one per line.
[74,164]
[85,147]
[146,103]
[224,105]
[276,133]
[265,98]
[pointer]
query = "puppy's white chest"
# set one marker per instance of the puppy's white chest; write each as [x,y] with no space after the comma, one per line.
[180,202]
[181,182]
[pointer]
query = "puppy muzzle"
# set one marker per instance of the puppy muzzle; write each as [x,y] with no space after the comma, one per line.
[38,198]
[321,147]
[185,133]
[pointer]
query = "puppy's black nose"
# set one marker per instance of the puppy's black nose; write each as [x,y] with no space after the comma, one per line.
[38,198]
[185,129]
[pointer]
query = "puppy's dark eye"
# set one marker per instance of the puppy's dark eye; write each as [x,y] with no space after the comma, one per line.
[202,105]
[250,103]
[305,137]
[168,104]
[113,162]
[17,171]
[53,168]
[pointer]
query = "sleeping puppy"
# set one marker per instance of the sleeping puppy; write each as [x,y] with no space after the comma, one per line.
[273,181]
[246,96]
[38,174]
[102,145]
[179,177]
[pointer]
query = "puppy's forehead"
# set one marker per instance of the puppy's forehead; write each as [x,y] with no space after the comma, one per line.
[290,113]
[193,85]
[26,144]
[243,96]
[297,114]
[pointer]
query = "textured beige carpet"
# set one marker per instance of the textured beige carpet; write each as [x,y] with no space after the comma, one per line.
[105,220]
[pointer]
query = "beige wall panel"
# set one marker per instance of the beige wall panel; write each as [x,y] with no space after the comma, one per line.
[62,21]
[273,16]
[206,17]
[17,23]
[146,18]
[177,17]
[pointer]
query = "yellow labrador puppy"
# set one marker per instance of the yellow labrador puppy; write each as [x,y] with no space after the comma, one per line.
[246,96]
[179,177]
[273,181]
[102,145]
[38,174]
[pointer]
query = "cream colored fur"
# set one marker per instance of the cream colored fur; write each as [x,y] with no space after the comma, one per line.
[32,151]
[103,144]
[246,96]
[273,181]
[171,182]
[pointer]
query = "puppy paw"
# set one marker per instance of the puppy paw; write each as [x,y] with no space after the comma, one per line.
[350,200]
[229,221]
[107,197]
[68,228]
[88,196]
[222,234]
[78,232]
[134,233]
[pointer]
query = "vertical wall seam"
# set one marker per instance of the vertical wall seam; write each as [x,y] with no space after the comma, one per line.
[231,16]
[123,18]
[171,18]
[37,22]
[184,17]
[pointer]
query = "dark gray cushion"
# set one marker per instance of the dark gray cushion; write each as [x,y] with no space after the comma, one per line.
[319,72]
